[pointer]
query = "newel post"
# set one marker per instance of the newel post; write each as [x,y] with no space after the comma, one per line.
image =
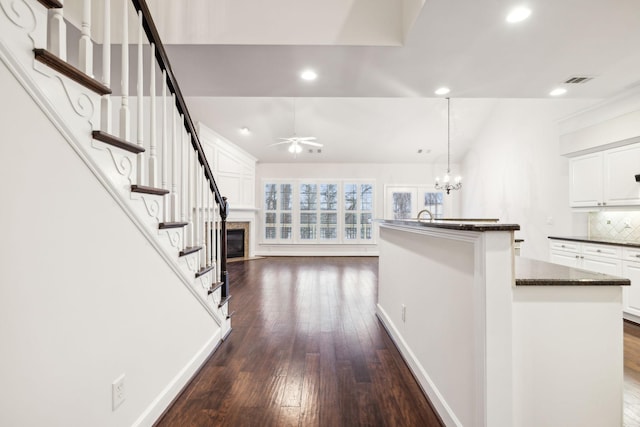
[224,278]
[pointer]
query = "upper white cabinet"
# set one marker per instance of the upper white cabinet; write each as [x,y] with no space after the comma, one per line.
[605,178]
[586,180]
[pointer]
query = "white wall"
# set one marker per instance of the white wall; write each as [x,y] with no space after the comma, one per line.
[379,174]
[84,297]
[514,172]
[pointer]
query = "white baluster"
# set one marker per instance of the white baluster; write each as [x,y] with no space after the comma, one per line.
[208,219]
[191,192]
[203,241]
[57,42]
[153,160]
[125,120]
[105,110]
[183,172]
[164,154]
[196,212]
[174,162]
[85,53]
[140,95]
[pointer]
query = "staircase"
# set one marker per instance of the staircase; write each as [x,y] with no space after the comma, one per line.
[142,148]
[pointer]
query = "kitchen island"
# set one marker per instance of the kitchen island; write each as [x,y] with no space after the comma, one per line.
[495,340]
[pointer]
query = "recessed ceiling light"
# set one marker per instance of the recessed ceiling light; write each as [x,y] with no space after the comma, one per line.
[518,14]
[442,91]
[558,91]
[308,75]
[245,131]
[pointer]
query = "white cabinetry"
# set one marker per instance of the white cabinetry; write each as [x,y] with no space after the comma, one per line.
[585,180]
[607,259]
[605,178]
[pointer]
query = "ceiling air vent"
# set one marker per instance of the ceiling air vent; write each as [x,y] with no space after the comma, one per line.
[578,79]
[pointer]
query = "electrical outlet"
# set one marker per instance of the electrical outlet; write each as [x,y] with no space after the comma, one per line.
[404,313]
[117,392]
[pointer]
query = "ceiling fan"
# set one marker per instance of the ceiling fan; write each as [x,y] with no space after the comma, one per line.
[295,142]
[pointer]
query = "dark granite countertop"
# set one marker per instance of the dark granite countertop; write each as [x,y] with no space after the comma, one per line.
[457,224]
[599,240]
[530,272]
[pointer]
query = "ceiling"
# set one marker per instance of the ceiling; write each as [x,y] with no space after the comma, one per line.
[378,64]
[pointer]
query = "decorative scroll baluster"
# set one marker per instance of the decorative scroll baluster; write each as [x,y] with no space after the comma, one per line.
[174,162]
[57,41]
[85,53]
[105,110]
[140,95]
[125,121]
[153,160]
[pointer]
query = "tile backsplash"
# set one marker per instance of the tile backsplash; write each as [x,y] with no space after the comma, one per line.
[615,225]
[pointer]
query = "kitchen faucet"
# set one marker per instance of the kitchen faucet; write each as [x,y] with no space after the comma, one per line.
[423,211]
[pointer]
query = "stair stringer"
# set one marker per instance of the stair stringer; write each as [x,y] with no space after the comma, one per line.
[75,111]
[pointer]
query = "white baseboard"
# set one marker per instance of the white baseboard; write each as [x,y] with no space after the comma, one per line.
[438,402]
[631,317]
[166,397]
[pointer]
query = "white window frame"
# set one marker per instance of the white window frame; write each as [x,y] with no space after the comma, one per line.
[296,211]
[417,194]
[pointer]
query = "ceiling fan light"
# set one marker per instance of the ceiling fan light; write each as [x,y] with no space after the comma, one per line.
[518,14]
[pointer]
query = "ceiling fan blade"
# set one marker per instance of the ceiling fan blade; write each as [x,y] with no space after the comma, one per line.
[307,138]
[279,143]
[313,144]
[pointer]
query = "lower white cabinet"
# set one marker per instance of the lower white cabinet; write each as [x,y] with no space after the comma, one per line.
[631,270]
[607,259]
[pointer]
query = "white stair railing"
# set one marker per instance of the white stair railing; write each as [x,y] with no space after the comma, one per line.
[179,166]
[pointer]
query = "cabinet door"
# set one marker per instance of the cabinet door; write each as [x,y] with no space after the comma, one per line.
[585,180]
[612,267]
[620,167]
[631,294]
[564,258]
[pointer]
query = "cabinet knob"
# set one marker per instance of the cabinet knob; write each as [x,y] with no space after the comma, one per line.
[577,256]
[638,256]
[599,204]
[598,250]
[604,203]
[564,246]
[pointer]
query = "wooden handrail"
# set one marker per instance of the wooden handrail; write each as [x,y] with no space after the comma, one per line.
[163,61]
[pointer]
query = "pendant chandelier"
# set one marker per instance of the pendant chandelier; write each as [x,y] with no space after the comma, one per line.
[446,183]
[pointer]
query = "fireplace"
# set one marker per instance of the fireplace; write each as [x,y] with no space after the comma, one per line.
[237,240]
[235,243]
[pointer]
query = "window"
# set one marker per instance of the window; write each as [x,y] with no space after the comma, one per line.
[406,201]
[278,216]
[318,212]
[434,201]
[358,207]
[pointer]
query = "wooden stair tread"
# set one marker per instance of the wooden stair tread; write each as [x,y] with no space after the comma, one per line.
[224,301]
[149,190]
[165,225]
[214,287]
[63,67]
[117,142]
[190,250]
[204,271]
[51,4]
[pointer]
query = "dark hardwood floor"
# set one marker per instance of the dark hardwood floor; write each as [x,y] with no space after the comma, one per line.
[307,350]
